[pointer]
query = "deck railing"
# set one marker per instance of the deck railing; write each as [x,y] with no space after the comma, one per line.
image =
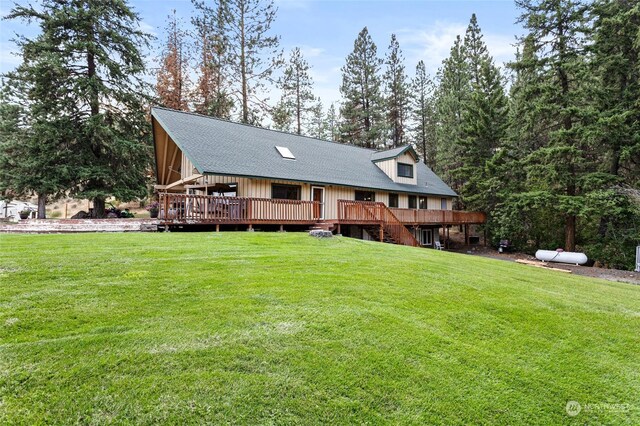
[376,214]
[186,208]
[440,217]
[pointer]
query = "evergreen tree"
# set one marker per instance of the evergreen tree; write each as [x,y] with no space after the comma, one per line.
[317,127]
[333,125]
[362,106]
[452,94]
[613,131]
[557,171]
[616,63]
[281,116]
[397,93]
[95,46]
[297,89]
[212,92]
[484,119]
[476,51]
[526,128]
[423,114]
[171,82]
[253,54]
[34,140]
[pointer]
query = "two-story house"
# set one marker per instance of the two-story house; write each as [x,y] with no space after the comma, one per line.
[235,176]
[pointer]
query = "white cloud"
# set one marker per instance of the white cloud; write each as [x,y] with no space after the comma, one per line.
[148,28]
[432,45]
[311,52]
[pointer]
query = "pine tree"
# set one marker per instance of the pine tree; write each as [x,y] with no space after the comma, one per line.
[172,76]
[616,63]
[95,46]
[317,126]
[34,140]
[423,115]
[526,126]
[212,92]
[362,121]
[297,88]
[281,116]
[485,116]
[253,54]
[613,130]
[556,171]
[484,119]
[397,93]
[476,50]
[452,92]
[333,125]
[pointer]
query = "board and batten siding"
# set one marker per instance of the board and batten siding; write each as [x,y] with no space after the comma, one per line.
[261,188]
[390,168]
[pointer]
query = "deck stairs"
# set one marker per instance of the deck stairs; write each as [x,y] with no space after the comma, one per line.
[378,220]
[390,230]
[324,225]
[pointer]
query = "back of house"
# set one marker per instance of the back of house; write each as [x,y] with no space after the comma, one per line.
[235,176]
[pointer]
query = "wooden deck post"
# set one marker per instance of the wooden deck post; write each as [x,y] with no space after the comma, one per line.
[217,227]
[381,233]
[339,230]
[466,234]
[281,228]
[446,240]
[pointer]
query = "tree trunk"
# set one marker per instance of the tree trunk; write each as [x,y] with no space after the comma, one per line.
[42,206]
[570,233]
[98,208]
[243,70]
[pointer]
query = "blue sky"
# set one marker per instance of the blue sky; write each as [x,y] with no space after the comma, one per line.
[326,29]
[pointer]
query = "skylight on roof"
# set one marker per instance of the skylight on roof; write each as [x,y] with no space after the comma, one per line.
[285,152]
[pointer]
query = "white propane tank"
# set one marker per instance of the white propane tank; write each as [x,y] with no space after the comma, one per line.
[561,257]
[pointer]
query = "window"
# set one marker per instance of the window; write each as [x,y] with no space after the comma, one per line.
[365,196]
[393,200]
[405,170]
[443,203]
[285,152]
[422,203]
[285,192]
[412,202]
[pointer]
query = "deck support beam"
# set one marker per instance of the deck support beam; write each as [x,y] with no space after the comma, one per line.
[217,227]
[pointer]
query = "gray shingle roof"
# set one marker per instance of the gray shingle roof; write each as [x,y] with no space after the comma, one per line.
[392,153]
[222,147]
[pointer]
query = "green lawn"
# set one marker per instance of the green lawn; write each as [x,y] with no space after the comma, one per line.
[277,328]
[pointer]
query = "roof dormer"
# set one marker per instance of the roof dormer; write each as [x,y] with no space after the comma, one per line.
[398,163]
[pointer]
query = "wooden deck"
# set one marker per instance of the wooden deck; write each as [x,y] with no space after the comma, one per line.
[439,217]
[203,209]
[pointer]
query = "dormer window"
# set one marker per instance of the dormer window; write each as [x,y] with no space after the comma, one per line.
[405,170]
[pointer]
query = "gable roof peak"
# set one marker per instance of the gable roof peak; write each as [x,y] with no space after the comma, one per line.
[394,153]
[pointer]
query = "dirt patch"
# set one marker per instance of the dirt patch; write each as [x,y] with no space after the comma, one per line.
[587,271]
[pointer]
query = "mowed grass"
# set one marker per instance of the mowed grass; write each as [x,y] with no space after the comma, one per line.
[282,328]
